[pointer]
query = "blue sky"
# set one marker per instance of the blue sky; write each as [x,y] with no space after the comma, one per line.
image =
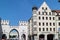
[15,10]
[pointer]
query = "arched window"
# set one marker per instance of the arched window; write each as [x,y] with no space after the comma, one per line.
[46,29]
[46,8]
[39,29]
[50,29]
[39,12]
[39,24]
[46,18]
[43,29]
[43,24]
[53,29]
[42,8]
[39,17]
[43,18]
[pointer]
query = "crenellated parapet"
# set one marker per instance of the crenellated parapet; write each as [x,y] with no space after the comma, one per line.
[5,22]
[23,23]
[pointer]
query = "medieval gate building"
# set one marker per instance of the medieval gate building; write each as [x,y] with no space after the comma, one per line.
[43,25]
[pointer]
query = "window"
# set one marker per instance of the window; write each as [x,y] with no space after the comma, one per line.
[49,18]
[53,24]
[46,18]
[58,18]
[59,23]
[39,18]
[53,18]
[43,18]
[50,24]
[39,13]
[46,29]
[42,7]
[42,13]
[46,13]
[43,29]
[46,8]
[43,24]
[39,29]
[49,13]
[46,24]
[39,24]
[53,29]
[50,29]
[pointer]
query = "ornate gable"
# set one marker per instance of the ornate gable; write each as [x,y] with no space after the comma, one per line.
[44,8]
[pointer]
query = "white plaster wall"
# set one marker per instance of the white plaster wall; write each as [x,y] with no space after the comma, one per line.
[23,30]
[20,28]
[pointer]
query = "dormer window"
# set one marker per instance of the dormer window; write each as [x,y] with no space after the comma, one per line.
[42,7]
[42,13]
[46,8]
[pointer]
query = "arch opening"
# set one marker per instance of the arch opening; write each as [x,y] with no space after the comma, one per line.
[14,34]
[41,37]
[4,36]
[23,37]
[50,36]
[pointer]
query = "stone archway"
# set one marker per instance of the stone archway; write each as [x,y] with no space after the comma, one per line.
[41,37]
[50,36]
[14,34]
[23,37]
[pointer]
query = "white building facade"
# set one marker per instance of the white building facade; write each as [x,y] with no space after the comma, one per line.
[19,32]
[43,25]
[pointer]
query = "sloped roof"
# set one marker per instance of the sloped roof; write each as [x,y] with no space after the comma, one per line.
[57,11]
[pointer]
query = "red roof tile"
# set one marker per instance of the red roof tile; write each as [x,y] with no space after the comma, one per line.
[57,11]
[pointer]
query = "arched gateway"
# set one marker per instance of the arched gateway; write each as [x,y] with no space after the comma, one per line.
[14,34]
